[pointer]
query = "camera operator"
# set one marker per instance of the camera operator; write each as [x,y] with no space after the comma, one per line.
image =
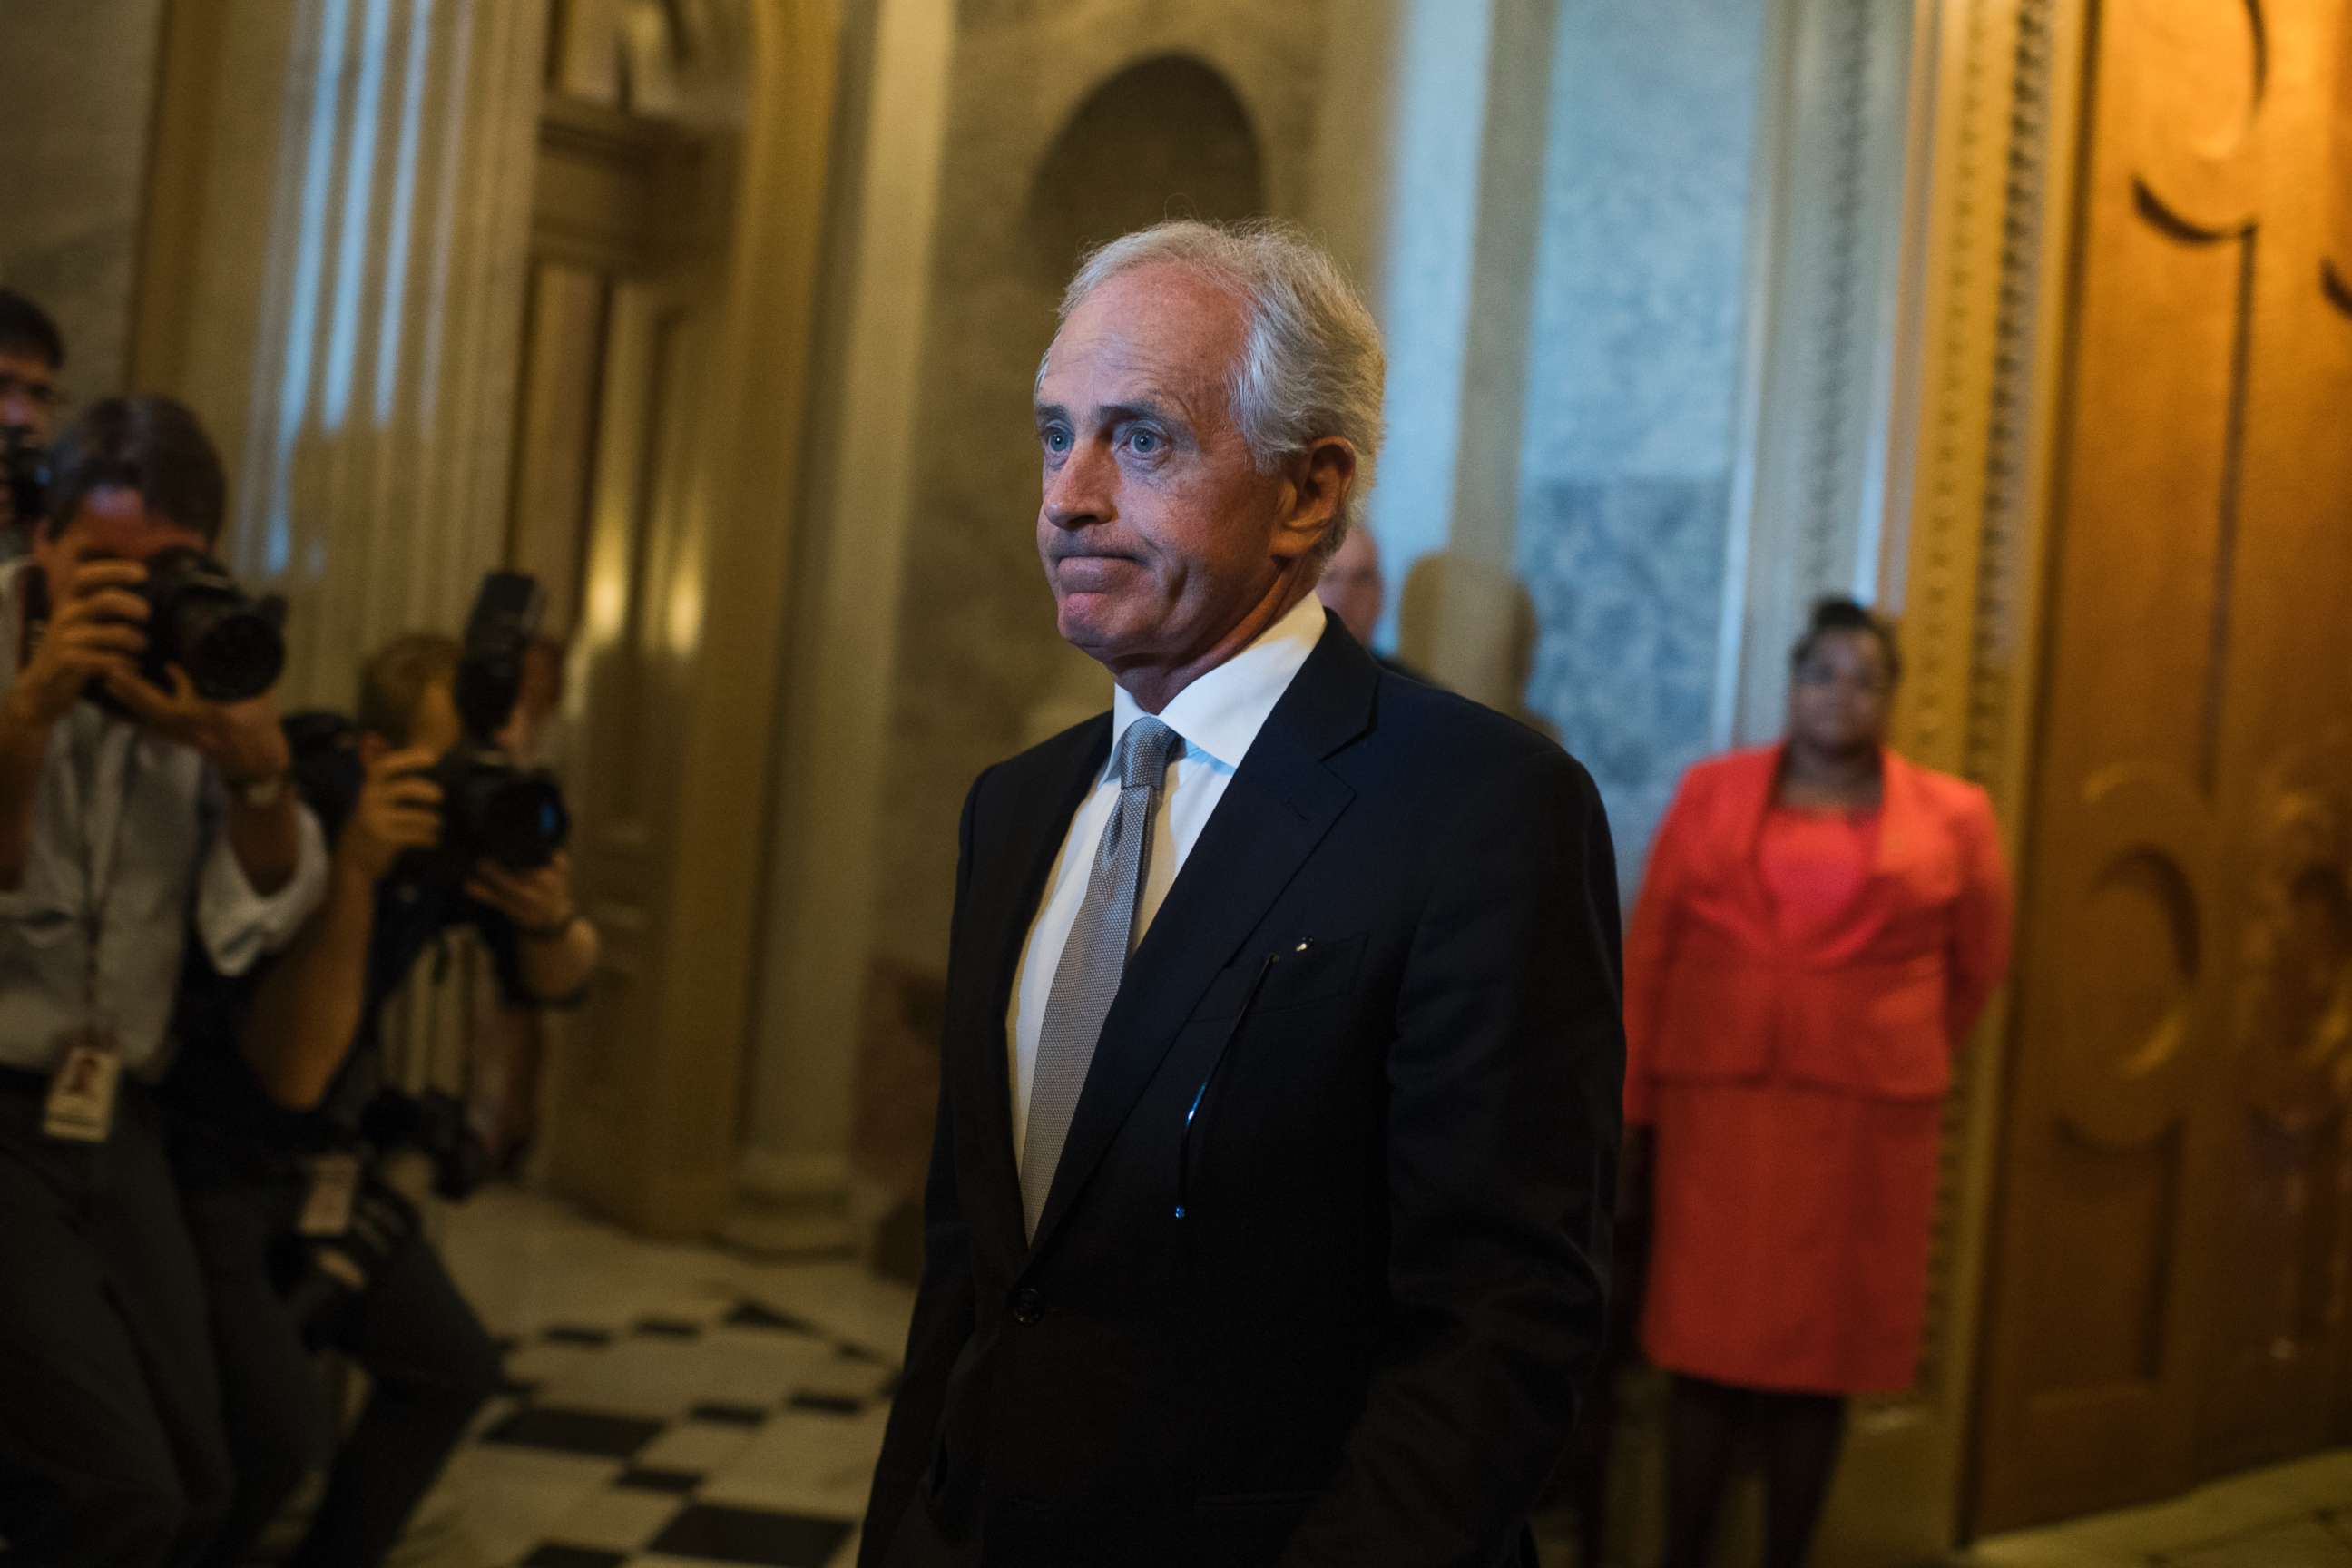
[32,356]
[280,1175]
[124,806]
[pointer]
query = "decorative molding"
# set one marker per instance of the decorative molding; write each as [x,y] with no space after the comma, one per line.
[1991,95]
[1924,588]
[1988,739]
[1995,644]
[660,59]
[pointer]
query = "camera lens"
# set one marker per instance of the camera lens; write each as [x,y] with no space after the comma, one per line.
[231,647]
[523,821]
[232,652]
[496,810]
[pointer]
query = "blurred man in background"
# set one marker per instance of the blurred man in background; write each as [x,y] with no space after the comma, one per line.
[304,1235]
[1352,587]
[129,815]
[32,357]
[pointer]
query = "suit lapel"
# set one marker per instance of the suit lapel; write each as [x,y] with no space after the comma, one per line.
[1280,804]
[1019,858]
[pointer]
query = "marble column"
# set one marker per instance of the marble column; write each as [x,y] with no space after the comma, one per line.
[342,298]
[841,654]
[1429,170]
[1632,436]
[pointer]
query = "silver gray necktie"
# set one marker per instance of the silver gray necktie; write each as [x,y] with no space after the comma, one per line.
[1086,980]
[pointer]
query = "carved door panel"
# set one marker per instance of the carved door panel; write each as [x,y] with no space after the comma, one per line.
[603,430]
[2279,1338]
[2166,1292]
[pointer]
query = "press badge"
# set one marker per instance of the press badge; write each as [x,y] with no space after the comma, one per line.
[334,1187]
[81,1107]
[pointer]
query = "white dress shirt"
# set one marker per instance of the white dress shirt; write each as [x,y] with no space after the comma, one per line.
[129,824]
[1218,715]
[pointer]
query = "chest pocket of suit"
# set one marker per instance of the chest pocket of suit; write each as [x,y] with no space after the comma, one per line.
[1324,969]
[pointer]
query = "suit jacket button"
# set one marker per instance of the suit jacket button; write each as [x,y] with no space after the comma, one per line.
[1027,1307]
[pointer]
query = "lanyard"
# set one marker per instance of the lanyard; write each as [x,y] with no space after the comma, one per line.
[100,861]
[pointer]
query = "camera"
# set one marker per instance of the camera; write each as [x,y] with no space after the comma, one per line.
[232,646]
[492,809]
[326,1272]
[434,1124]
[24,469]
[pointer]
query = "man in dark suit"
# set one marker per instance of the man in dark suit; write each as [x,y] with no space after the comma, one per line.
[1269,1203]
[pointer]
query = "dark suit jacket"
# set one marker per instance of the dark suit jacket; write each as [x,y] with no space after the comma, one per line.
[1388,976]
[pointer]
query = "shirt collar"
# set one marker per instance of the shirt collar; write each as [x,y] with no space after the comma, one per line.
[1219,714]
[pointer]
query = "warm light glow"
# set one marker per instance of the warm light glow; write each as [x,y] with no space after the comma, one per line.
[404,201]
[310,261]
[607,606]
[683,624]
[359,186]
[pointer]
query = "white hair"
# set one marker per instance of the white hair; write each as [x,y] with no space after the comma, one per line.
[1312,365]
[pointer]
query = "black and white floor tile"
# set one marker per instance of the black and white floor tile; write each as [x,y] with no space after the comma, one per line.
[671,1406]
[666,1405]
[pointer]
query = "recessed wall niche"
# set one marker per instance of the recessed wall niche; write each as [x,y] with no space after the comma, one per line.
[1167,137]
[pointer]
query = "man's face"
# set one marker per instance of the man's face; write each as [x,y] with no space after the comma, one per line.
[28,402]
[111,521]
[28,394]
[1158,532]
[1351,586]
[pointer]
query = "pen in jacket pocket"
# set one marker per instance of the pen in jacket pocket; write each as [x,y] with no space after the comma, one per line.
[1193,1111]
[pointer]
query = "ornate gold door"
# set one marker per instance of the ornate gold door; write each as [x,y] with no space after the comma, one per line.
[2169,1289]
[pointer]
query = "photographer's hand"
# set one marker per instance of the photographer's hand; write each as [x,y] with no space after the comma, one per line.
[247,744]
[306,1010]
[537,901]
[245,741]
[560,946]
[95,631]
[398,809]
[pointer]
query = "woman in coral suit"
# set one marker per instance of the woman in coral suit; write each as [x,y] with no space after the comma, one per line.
[1822,923]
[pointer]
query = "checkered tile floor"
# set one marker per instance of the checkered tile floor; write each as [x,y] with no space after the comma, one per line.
[666,1405]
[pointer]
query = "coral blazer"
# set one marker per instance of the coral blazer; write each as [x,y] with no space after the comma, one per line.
[1874,1007]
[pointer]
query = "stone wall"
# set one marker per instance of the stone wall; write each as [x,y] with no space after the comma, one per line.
[1626,471]
[77,108]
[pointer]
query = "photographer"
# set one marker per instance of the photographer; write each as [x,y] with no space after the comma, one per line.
[281,1105]
[32,354]
[128,800]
